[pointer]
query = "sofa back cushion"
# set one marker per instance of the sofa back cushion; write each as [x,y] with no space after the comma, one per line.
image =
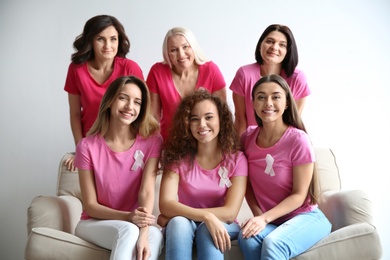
[327,169]
[68,181]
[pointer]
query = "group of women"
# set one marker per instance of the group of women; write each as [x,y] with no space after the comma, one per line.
[126,130]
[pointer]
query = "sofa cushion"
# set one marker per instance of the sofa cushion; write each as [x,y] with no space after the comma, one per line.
[67,246]
[358,242]
[62,213]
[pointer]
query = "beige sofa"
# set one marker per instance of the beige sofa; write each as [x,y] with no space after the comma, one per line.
[52,220]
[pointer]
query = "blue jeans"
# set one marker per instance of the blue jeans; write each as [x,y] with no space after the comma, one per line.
[181,233]
[288,240]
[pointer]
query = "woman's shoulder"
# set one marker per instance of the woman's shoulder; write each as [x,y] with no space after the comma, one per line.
[159,65]
[298,74]
[76,66]
[238,156]
[251,130]
[90,141]
[152,139]
[297,136]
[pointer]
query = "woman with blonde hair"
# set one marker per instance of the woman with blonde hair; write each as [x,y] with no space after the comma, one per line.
[185,68]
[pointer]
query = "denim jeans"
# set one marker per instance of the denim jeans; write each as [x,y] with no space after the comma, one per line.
[181,233]
[288,240]
[119,236]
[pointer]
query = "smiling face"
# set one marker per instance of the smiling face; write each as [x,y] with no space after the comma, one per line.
[270,102]
[126,107]
[180,52]
[204,122]
[273,48]
[105,44]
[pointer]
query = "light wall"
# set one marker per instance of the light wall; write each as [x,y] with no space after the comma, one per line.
[343,49]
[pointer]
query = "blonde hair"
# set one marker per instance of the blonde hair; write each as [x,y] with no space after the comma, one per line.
[200,58]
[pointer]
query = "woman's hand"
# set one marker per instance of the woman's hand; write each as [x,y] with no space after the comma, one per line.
[143,250]
[162,220]
[218,232]
[69,163]
[253,226]
[141,217]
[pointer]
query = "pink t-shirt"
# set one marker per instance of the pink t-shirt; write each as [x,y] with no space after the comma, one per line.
[160,82]
[117,176]
[246,77]
[80,82]
[271,169]
[200,188]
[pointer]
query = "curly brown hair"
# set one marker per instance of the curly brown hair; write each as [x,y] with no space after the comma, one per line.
[182,145]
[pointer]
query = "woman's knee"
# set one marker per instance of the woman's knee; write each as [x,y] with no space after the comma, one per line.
[180,224]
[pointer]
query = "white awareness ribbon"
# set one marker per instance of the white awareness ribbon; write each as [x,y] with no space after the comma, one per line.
[270,161]
[138,157]
[223,173]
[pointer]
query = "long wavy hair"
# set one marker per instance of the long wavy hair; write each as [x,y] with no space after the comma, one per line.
[290,62]
[182,145]
[291,117]
[83,43]
[145,124]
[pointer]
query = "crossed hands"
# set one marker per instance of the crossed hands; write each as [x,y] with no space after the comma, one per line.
[253,226]
[141,217]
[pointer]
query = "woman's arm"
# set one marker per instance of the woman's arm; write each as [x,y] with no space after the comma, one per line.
[155,105]
[75,117]
[75,124]
[240,122]
[146,203]
[251,200]
[147,189]
[170,207]
[302,175]
[300,104]
[98,211]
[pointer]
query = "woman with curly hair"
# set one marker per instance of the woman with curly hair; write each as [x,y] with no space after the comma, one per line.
[204,179]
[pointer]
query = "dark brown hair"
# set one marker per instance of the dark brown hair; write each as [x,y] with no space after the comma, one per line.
[84,42]
[290,62]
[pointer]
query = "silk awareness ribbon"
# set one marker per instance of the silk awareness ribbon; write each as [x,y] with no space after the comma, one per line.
[270,161]
[138,157]
[223,173]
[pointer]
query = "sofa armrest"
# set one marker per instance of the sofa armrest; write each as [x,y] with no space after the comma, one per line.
[61,213]
[344,208]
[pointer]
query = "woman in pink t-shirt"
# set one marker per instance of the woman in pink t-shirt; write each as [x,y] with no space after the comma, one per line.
[117,164]
[99,58]
[204,179]
[276,53]
[185,68]
[282,190]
